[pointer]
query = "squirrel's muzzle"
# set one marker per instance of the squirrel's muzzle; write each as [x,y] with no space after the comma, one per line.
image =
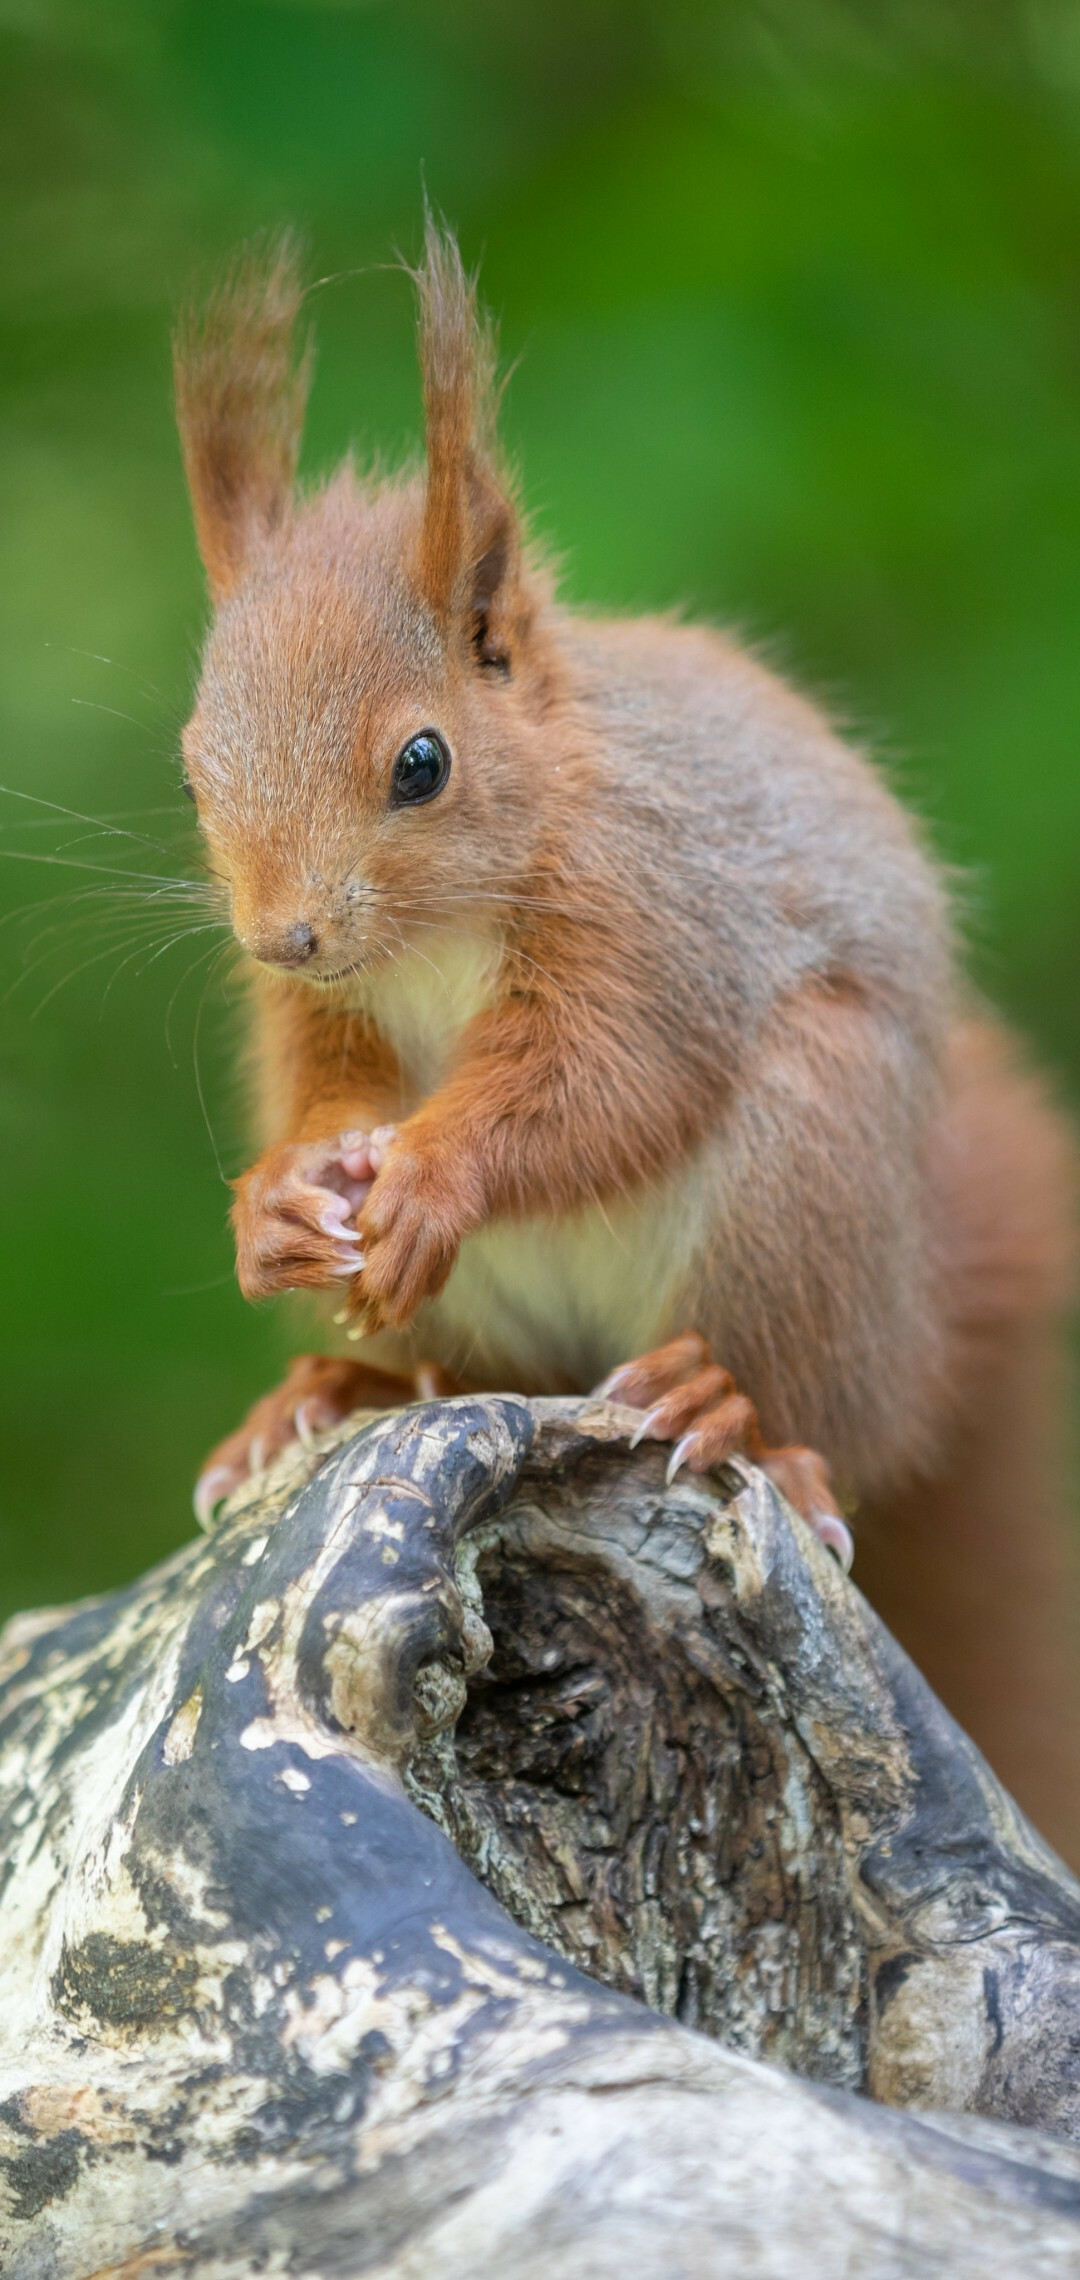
[292,946]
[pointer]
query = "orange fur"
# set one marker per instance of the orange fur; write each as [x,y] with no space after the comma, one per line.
[650,1017]
[969,1555]
[240,397]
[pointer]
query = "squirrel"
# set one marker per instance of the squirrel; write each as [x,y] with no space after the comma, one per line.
[608,1018]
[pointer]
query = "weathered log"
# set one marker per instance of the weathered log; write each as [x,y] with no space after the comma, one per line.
[333,1854]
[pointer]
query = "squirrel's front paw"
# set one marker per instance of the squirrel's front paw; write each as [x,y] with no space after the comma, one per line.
[410,1231]
[294,1212]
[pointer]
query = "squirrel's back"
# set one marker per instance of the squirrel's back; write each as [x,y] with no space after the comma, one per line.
[755,848]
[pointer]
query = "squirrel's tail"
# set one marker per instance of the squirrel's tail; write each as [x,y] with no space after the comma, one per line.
[976,1570]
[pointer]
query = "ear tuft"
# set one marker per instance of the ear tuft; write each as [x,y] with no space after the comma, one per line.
[241,389]
[468,542]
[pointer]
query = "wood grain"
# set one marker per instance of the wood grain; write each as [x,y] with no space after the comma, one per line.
[477,1856]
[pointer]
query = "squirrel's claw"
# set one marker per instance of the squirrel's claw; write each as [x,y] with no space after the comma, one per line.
[211,1489]
[690,1400]
[835,1534]
[319,1390]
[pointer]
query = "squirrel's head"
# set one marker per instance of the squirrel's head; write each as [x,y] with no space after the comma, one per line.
[364,749]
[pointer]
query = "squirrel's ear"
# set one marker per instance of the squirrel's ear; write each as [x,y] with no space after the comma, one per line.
[241,388]
[470,545]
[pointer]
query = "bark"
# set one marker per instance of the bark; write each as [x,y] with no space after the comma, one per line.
[479,1857]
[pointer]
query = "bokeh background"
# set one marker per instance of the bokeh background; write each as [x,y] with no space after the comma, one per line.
[795,290]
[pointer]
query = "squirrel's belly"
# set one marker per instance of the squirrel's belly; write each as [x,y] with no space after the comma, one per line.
[548,1305]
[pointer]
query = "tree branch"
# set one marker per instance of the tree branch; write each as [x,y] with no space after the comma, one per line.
[333,1854]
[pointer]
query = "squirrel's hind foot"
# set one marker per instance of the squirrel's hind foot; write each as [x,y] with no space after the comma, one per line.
[690,1400]
[316,1393]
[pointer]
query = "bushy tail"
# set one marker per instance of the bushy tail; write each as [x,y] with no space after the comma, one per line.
[976,1569]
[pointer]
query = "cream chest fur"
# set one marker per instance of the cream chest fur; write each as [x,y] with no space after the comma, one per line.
[541,1303]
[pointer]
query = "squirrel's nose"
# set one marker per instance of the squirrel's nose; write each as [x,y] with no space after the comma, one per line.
[292,948]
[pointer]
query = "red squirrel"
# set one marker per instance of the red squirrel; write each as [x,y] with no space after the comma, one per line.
[606,1004]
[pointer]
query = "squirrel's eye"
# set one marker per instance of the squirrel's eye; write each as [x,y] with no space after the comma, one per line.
[187,787]
[420,770]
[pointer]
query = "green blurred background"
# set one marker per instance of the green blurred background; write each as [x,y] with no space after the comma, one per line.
[796,293]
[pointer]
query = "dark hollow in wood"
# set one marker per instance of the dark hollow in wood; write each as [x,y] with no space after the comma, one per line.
[334,1854]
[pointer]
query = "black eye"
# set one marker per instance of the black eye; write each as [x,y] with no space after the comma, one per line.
[420,770]
[187,787]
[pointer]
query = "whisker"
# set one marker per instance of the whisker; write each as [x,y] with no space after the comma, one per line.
[220,952]
[438,900]
[439,976]
[112,830]
[120,895]
[126,945]
[196,1290]
[150,915]
[92,704]
[107,816]
[174,995]
[149,688]
[33,964]
[137,926]
[186,934]
[100,870]
[98,913]
[72,975]
[44,941]
[432,926]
